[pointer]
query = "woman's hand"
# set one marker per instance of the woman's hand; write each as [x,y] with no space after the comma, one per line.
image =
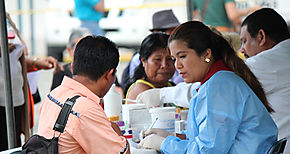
[157,131]
[152,141]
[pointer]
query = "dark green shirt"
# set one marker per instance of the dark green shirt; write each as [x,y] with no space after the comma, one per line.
[215,14]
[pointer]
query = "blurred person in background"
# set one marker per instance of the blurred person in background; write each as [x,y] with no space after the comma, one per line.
[156,66]
[222,14]
[229,112]
[266,43]
[18,60]
[90,12]
[75,36]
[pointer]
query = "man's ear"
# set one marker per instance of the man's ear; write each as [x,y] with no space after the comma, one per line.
[109,74]
[261,37]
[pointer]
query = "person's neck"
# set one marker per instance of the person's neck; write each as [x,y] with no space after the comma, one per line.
[157,84]
[270,44]
[90,84]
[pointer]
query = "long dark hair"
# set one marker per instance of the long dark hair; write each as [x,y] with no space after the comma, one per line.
[149,45]
[199,37]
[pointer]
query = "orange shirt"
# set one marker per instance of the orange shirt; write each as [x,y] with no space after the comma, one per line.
[91,132]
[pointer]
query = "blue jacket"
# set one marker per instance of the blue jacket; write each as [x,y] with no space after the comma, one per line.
[225,116]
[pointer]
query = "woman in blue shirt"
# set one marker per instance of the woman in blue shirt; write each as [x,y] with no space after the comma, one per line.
[229,112]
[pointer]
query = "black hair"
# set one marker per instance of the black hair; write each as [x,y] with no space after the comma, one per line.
[153,42]
[93,56]
[199,37]
[270,21]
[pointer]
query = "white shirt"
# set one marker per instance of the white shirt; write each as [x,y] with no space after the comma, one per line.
[272,68]
[16,78]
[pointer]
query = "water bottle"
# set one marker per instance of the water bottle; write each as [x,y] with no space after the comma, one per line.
[113,102]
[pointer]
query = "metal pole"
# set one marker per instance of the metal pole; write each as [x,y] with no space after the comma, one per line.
[32,28]
[189,10]
[10,121]
[19,5]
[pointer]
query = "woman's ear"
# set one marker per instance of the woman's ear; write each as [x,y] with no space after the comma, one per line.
[207,54]
[261,37]
[143,62]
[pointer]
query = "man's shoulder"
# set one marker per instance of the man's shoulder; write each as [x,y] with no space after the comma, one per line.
[267,58]
[84,104]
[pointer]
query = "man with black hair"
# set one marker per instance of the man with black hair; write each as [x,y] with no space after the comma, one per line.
[88,130]
[266,41]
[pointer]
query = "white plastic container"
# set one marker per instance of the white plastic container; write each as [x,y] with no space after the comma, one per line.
[137,115]
[166,118]
[113,102]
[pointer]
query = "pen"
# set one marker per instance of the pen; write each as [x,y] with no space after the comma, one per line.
[152,123]
[151,126]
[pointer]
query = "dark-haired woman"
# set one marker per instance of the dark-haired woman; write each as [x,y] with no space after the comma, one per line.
[156,67]
[229,112]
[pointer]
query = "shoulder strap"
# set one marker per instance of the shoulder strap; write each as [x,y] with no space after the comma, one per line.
[64,114]
[146,83]
[205,5]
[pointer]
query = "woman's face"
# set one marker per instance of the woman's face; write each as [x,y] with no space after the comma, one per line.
[159,67]
[191,67]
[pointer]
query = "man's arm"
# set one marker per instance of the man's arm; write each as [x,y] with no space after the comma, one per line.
[118,131]
[34,64]
[100,7]
[180,94]
[235,14]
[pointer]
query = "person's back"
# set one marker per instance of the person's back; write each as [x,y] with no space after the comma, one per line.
[90,13]
[272,67]
[88,129]
[215,13]
[222,14]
